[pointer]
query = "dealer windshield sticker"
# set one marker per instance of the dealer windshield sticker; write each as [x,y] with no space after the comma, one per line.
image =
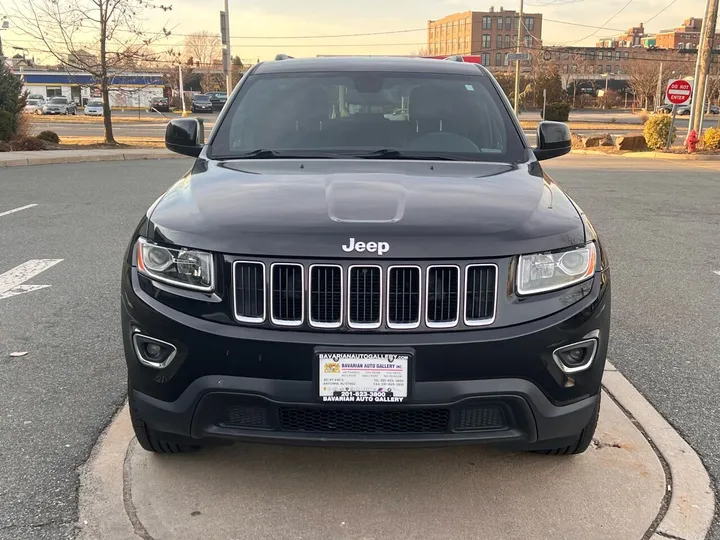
[364,377]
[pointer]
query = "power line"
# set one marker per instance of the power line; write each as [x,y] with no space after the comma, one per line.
[661,11]
[605,24]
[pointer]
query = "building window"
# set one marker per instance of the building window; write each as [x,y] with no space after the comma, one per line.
[599,69]
[530,24]
[498,41]
[487,23]
[591,55]
[459,44]
[527,40]
[499,23]
[486,41]
[498,59]
[508,24]
[574,68]
[517,22]
[617,55]
[53,91]
[507,41]
[626,55]
[461,24]
[617,68]
[609,69]
[467,20]
[485,59]
[600,55]
[565,56]
[467,41]
[565,68]
[590,69]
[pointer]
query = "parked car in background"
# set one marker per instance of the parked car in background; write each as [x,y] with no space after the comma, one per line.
[94,107]
[34,106]
[201,103]
[218,100]
[159,104]
[684,110]
[60,105]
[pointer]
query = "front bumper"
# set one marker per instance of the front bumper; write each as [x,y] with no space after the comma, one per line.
[495,385]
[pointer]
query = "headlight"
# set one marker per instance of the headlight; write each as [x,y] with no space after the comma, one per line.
[544,272]
[182,267]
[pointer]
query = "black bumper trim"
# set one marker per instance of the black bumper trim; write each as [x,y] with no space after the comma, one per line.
[535,418]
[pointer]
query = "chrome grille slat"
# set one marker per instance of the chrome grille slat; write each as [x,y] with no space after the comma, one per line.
[249,287]
[403,297]
[287,294]
[326,295]
[442,305]
[480,294]
[364,296]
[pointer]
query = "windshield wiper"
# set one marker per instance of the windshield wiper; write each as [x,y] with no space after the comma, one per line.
[265,153]
[394,153]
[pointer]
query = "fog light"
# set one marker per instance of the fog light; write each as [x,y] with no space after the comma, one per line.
[153,352]
[576,357]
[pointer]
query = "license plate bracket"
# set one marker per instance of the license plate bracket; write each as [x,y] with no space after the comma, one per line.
[370,377]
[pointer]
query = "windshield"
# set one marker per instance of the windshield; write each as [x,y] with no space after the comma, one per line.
[58,100]
[95,104]
[419,115]
[202,98]
[33,102]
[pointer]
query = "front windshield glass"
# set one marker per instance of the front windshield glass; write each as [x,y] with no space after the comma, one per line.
[355,113]
[202,98]
[58,100]
[95,104]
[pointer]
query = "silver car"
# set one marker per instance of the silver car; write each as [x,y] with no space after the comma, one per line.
[60,105]
[94,108]
[34,106]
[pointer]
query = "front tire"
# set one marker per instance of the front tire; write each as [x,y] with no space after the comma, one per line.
[156,441]
[581,442]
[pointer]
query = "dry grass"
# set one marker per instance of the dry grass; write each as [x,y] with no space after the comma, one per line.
[79,143]
[593,126]
[81,119]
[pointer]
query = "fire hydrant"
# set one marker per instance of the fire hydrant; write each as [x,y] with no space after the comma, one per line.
[692,141]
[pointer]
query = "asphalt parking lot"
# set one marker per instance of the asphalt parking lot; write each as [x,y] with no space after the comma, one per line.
[659,220]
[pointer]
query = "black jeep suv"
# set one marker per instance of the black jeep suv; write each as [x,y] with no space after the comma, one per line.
[330,271]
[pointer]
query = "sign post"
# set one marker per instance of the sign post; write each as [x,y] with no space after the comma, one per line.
[678,92]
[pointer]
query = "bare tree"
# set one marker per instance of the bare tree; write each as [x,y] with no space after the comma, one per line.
[204,49]
[96,36]
[643,79]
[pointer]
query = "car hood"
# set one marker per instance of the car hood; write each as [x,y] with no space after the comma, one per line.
[420,209]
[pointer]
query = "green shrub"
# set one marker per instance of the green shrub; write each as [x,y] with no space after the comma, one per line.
[49,136]
[28,144]
[656,131]
[711,138]
[7,125]
[557,112]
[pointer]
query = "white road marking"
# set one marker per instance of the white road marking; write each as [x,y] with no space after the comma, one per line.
[17,210]
[717,272]
[11,282]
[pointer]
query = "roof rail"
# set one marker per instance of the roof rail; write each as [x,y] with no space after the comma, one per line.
[282,57]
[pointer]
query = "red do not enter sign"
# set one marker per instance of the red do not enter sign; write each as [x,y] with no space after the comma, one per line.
[679,92]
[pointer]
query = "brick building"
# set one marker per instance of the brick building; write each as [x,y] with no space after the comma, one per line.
[490,34]
[632,38]
[686,36]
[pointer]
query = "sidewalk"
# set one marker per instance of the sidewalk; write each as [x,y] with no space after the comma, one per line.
[52,157]
[624,487]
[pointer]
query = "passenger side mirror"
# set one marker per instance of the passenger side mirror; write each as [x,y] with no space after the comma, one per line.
[553,140]
[185,136]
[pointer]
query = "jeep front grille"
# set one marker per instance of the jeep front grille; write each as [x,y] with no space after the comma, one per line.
[366,296]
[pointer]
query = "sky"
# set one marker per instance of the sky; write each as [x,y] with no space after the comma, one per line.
[262,29]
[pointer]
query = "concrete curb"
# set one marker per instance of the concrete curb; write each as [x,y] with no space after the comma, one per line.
[691,507]
[49,159]
[651,155]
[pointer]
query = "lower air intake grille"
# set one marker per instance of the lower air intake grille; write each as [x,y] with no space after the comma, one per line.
[442,295]
[365,297]
[247,416]
[249,291]
[480,294]
[481,418]
[403,297]
[352,420]
[326,296]
[287,294]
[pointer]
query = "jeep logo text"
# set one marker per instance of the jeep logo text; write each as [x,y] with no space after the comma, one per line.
[372,247]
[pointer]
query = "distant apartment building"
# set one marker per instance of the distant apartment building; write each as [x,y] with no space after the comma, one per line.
[686,36]
[489,34]
[632,38]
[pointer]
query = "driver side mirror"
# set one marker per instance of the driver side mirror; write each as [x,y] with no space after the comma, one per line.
[185,136]
[553,140]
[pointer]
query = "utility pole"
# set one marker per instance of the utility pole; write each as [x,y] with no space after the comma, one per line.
[702,67]
[225,38]
[182,89]
[658,92]
[517,61]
